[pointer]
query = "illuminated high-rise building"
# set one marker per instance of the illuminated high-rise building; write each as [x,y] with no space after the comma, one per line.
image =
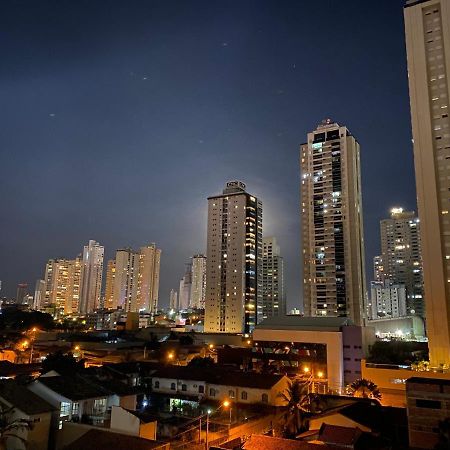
[332,224]
[273,296]
[234,261]
[63,285]
[109,287]
[401,256]
[148,281]
[427,26]
[132,279]
[91,286]
[126,280]
[378,268]
[198,286]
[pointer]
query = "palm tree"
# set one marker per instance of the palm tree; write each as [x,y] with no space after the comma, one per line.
[365,389]
[300,406]
[9,427]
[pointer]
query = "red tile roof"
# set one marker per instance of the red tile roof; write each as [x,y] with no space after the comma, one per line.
[337,435]
[257,442]
[105,440]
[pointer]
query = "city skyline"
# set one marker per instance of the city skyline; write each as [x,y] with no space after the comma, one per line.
[254,110]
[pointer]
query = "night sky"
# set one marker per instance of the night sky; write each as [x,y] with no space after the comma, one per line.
[119,118]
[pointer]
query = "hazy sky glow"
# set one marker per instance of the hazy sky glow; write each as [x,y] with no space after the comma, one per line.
[119,118]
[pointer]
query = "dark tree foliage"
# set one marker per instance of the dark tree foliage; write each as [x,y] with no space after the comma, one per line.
[397,352]
[201,363]
[365,389]
[63,363]
[15,319]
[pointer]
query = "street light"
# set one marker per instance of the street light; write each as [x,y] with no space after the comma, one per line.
[306,369]
[227,404]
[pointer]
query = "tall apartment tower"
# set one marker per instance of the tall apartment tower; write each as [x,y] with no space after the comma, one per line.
[332,224]
[273,297]
[63,278]
[427,27]
[39,294]
[109,288]
[148,280]
[401,256]
[173,300]
[184,298]
[198,287]
[126,280]
[22,293]
[91,286]
[234,261]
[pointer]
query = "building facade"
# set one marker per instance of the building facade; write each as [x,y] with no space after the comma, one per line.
[184,296]
[22,293]
[427,27]
[126,280]
[109,288]
[387,300]
[173,300]
[63,285]
[273,295]
[198,287]
[234,261]
[132,279]
[91,287]
[39,294]
[332,224]
[148,280]
[401,256]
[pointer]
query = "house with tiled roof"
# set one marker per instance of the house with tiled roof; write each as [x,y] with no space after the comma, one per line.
[97,439]
[219,384]
[83,399]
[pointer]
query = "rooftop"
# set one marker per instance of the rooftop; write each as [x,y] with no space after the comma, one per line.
[300,323]
[23,399]
[257,442]
[338,435]
[77,387]
[97,439]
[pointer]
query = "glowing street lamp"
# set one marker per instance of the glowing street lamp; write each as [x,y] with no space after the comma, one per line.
[227,404]
[306,369]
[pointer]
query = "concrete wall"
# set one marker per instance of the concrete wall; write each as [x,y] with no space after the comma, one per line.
[332,339]
[222,392]
[192,387]
[124,422]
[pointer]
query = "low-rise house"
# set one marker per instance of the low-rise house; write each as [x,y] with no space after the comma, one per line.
[25,405]
[82,399]
[218,384]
